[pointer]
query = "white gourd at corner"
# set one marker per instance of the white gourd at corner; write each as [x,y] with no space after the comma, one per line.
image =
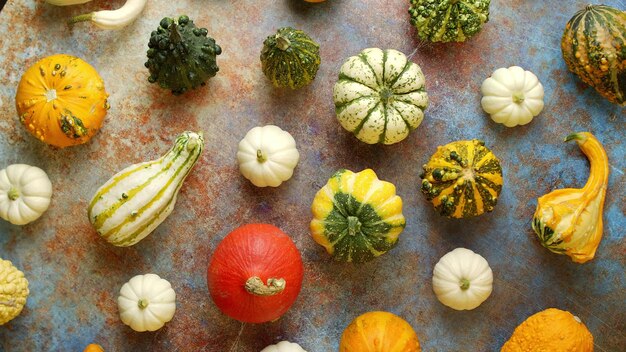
[267,156]
[146,302]
[462,279]
[107,19]
[512,96]
[25,193]
[284,346]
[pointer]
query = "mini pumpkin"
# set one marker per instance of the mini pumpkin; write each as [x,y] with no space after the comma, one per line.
[61,100]
[92,347]
[379,332]
[13,291]
[25,193]
[380,96]
[284,346]
[448,20]
[146,302]
[356,216]
[267,156]
[462,179]
[290,58]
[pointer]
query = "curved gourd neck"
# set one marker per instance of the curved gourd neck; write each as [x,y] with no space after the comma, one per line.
[598,161]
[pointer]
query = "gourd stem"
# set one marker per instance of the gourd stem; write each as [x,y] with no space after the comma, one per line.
[282,43]
[465,284]
[143,303]
[80,18]
[175,36]
[192,143]
[260,157]
[518,98]
[13,194]
[354,225]
[589,7]
[255,286]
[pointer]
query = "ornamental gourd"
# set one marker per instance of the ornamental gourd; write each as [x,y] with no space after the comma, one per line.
[462,279]
[25,193]
[448,20]
[290,58]
[512,96]
[552,330]
[267,156]
[284,346]
[569,221]
[356,216]
[61,100]
[113,19]
[180,56]
[594,48]
[93,347]
[13,291]
[462,179]
[255,273]
[380,96]
[379,332]
[146,302]
[132,203]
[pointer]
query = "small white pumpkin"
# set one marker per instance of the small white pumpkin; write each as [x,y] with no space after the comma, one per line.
[146,302]
[267,156]
[512,96]
[462,279]
[25,193]
[284,346]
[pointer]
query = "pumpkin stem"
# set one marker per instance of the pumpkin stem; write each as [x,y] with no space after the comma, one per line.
[354,225]
[13,194]
[175,36]
[192,143]
[518,98]
[574,136]
[282,43]
[386,95]
[465,284]
[589,7]
[143,303]
[260,157]
[80,18]
[255,286]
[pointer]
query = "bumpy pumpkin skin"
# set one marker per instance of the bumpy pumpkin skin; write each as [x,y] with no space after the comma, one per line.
[61,100]
[551,330]
[13,291]
[448,20]
[379,332]
[356,216]
[594,48]
[462,179]
[290,58]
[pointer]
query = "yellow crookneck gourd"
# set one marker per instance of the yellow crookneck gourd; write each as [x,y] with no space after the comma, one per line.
[569,221]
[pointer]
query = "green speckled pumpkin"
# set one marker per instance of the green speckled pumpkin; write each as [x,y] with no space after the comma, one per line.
[594,48]
[448,20]
[462,179]
[356,216]
[290,58]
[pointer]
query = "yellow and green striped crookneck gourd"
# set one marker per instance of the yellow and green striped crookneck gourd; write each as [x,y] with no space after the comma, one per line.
[137,199]
[462,179]
[569,221]
[356,216]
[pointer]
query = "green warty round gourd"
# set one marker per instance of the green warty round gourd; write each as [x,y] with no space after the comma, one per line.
[448,20]
[181,56]
[290,58]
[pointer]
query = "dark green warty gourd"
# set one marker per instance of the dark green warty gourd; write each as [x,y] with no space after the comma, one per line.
[181,56]
[448,20]
[290,58]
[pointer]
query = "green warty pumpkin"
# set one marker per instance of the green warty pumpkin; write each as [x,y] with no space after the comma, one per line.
[290,58]
[181,56]
[448,20]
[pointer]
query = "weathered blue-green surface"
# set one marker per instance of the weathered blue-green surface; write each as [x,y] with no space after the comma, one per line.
[75,276]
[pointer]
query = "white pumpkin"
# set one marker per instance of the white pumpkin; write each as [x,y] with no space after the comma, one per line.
[284,346]
[462,279]
[380,96]
[512,96]
[25,193]
[267,156]
[146,302]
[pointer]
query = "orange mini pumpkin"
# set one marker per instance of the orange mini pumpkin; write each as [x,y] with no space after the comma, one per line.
[61,100]
[93,348]
[379,332]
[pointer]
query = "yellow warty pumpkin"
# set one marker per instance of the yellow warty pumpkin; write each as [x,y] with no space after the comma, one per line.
[551,330]
[13,291]
[61,100]
[379,332]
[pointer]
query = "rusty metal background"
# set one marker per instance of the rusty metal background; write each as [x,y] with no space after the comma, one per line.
[75,276]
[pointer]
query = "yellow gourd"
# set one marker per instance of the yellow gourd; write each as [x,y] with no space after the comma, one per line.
[379,332]
[13,291]
[93,348]
[551,330]
[569,221]
[61,100]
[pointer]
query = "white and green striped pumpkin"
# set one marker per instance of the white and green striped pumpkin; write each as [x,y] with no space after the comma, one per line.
[130,205]
[380,96]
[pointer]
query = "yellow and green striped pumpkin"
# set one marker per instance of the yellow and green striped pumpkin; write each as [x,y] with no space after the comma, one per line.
[130,205]
[356,216]
[462,179]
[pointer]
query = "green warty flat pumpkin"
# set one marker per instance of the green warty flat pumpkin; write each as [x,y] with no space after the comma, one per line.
[594,48]
[448,20]
[180,56]
[462,179]
[290,58]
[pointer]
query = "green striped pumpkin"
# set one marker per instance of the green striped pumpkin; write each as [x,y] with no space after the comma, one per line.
[130,205]
[290,58]
[462,179]
[594,48]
